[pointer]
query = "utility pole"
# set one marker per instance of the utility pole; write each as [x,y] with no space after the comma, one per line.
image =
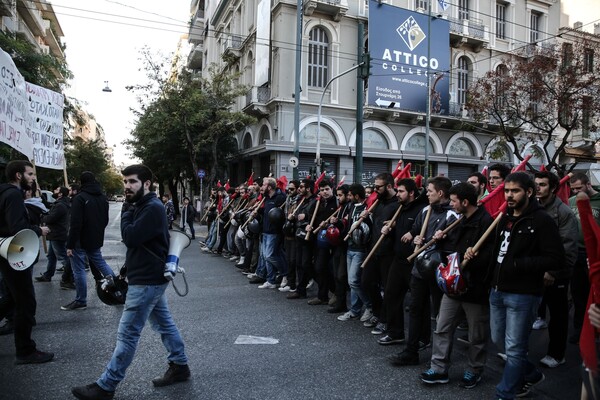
[297,88]
[360,88]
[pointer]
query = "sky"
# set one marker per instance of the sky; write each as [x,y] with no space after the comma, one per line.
[103,39]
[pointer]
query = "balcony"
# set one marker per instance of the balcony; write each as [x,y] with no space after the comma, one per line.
[197,25]
[336,8]
[32,16]
[233,46]
[470,31]
[26,32]
[256,101]
[52,41]
[195,57]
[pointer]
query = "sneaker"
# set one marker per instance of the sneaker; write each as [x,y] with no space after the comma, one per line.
[404,358]
[423,345]
[267,285]
[284,289]
[379,329]
[529,384]
[310,284]
[372,322]
[42,278]
[431,377]
[348,316]
[502,356]
[74,305]
[316,302]
[539,323]
[251,275]
[256,279]
[67,285]
[284,282]
[332,300]
[175,373]
[234,258]
[295,295]
[367,315]
[37,357]
[240,261]
[387,340]
[551,362]
[92,392]
[469,380]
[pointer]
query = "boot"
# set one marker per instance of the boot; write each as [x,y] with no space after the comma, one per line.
[175,373]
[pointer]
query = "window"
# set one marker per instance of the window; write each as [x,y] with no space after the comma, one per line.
[501,20]
[422,4]
[462,147]
[588,60]
[534,27]
[309,135]
[567,54]
[318,61]
[416,144]
[501,76]
[373,139]
[586,116]
[462,80]
[463,9]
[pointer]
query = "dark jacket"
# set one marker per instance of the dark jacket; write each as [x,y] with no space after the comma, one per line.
[534,248]
[467,233]
[13,214]
[274,201]
[58,219]
[89,217]
[145,225]
[353,216]
[307,207]
[567,228]
[384,211]
[190,213]
[404,224]
[326,208]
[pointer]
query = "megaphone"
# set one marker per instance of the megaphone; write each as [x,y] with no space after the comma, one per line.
[20,250]
[179,241]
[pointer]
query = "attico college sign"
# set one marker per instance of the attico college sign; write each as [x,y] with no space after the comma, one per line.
[400,63]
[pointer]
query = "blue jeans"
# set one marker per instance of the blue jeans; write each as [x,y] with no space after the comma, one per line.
[143,303]
[357,296]
[274,258]
[511,317]
[56,251]
[78,265]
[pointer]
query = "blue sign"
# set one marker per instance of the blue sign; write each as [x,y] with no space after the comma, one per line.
[400,63]
[201,173]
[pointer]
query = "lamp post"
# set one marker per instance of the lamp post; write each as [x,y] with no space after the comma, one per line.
[106,88]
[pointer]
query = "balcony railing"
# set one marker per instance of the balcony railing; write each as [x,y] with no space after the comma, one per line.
[259,95]
[233,42]
[472,27]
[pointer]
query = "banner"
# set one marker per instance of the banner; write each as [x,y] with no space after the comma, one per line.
[15,121]
[46,111]
[402,59]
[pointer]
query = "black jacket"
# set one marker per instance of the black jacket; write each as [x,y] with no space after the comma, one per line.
[145,225]
[58,219]
[467,233]
[89,217]
[404,224]
[534,247]
[13,214]
[276,200]
[384,211]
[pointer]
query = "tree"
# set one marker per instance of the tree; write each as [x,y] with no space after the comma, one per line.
[541,93]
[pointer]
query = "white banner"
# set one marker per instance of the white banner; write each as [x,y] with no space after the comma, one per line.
[46,111]
[15,121]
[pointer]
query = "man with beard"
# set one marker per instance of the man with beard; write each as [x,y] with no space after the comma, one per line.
[527,244]
[479,182]
[144,232]
[89,217]
[21,295]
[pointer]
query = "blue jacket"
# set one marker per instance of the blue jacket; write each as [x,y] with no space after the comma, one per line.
[276,200]
[145,225]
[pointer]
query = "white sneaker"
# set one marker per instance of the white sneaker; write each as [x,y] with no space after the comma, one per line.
[234,258]
[538,324]
[284,289]
[267,285]
[241,261]
[284,282]
[310,284]
[250,276]
[348,316]
[367,315]
[502,356]
[551,362]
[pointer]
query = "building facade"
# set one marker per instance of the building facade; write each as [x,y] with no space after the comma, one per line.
[260,38]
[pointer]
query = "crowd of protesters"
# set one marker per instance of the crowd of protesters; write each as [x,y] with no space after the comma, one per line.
[496,255]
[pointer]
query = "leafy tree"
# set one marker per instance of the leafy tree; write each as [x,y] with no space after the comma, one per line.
[543,94]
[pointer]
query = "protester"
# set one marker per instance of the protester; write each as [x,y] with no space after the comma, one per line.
[169,209]
[497,174]
[188,214]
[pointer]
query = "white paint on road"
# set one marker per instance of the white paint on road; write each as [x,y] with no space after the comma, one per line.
[247,339]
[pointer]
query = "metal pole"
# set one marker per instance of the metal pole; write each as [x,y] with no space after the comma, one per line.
[428,115]
[297,88]
[318,155]
[360,88]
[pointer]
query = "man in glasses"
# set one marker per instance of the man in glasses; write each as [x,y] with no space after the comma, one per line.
[498,173]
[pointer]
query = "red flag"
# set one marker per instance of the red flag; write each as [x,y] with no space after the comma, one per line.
[405,173]
[419,181]
[371,199]
[543,168]
[397,170]
[484,171]
[341,182]
[523,165]
[282,182]
[220,204]
[227,186]
[219,183]
[494,202]
[563,191]
[319,181]
[591,237]
[250,181]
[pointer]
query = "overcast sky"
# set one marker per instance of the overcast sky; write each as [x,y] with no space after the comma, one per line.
[103,39]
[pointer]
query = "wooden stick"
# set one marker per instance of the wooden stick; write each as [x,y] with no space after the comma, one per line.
[360,220]
[224,209]
[256,207]
[206,213]
[424,227]
[312,221]
[383,235]
[326,221]
[483,238]
[432,241]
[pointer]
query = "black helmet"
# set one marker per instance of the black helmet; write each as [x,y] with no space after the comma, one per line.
[362,234]
[114,293]
[254,226]
[428,262]
[276,218]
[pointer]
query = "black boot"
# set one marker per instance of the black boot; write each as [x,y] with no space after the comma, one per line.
[175,373]
[92,392]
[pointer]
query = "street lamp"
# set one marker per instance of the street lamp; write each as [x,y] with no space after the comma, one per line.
[106,88]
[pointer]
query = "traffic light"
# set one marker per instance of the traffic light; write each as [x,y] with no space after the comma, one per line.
[365,69]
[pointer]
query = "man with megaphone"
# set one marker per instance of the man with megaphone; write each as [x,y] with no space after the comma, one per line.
[17,275]
[144,232]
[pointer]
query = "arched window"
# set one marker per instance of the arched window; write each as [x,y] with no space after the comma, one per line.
[462,73]
[318,61]
[500,152]
[247,144]
[264,135]
[373,139]
[461,147]
[309,135]
[416,144]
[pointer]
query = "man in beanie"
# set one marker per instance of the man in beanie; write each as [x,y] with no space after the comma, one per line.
[89,217]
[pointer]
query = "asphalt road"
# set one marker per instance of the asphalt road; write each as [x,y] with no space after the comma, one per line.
[316,357]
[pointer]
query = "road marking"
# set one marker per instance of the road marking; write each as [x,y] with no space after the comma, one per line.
[247,339]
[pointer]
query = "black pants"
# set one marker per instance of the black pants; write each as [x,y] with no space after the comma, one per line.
[21,299]
[324,273]
[374,278]
[556,299]
[580,290]
[398,284]
[304,264]
[419,327]
[340,275]
[290,253]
